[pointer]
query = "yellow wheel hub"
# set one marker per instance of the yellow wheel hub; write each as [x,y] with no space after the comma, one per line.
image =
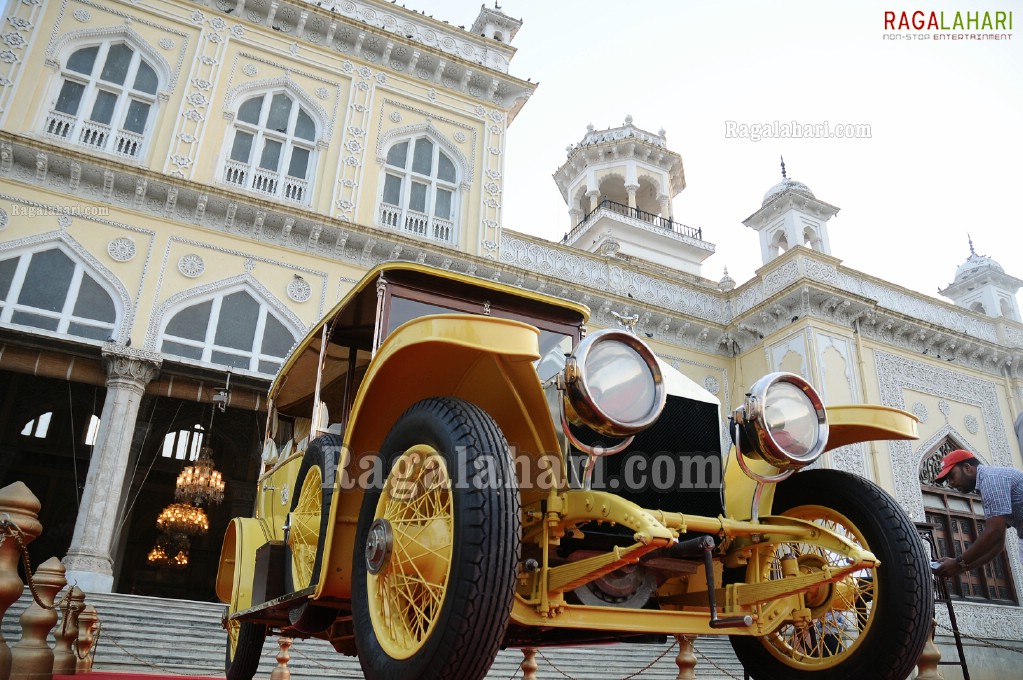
[841,613]
[408,554]
[304,534]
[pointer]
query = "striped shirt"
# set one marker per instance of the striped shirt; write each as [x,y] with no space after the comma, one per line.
[1001,489]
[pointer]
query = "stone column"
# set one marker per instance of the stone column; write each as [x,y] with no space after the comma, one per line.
[89,562]
[594,196]
[632,189]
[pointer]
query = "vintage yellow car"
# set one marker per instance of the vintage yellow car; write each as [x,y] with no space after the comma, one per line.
[454,466]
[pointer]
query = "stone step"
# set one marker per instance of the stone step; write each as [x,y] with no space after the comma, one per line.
[185,638]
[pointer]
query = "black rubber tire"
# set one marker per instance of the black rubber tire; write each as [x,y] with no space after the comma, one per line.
[480,586]
[903,599]
[323,453]
[245,661]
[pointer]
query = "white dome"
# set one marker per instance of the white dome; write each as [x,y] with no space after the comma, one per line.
[786,185]
[976,264]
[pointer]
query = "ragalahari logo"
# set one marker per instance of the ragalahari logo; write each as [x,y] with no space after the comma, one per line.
[942,25]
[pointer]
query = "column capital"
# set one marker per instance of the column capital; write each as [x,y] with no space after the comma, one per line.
[131,365]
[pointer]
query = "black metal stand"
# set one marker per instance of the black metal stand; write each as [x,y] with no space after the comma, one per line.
[926,531]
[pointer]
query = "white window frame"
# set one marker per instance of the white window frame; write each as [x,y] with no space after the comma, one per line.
[403,218]
[208,345]
[78,129]
[65,317]
[250,176]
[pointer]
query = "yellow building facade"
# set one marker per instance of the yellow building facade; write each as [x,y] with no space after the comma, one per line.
[186,187]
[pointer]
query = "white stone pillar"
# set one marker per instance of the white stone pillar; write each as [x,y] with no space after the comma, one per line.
[89,562]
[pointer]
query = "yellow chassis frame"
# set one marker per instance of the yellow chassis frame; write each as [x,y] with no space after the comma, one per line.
[540,599]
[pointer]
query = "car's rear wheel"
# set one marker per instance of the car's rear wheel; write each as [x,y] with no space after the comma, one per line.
[874,622]
[437,547]
[310,512]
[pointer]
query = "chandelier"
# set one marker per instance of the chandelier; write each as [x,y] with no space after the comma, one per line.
[184,519]
[200,483]
[171,550]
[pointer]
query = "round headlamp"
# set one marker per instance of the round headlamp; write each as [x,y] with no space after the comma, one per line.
[613,384]
[783,422]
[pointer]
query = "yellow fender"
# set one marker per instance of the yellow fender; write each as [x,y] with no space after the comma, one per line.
[484,360]
[847,424]
[238,561]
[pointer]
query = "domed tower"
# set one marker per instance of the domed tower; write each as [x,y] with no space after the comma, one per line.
[618,184]
[981,285]
[789,216]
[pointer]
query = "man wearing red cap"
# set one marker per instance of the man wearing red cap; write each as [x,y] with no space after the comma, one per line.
[1001,490]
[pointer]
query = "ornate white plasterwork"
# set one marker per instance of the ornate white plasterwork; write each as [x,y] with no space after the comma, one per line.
[76,251]
[234,95]
[278,305]
[896,375]
[299,290]
[121,249]
[242,281]
[467,165]
[191,266]
[592,270]
[59,48]
[3,219]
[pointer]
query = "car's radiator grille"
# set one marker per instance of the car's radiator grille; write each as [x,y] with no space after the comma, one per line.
[675,465]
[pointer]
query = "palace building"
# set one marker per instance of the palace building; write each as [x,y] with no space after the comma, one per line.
[186,187]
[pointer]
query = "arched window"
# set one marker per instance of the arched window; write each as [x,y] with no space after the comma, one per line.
[271,148]
[38,427]
[420,190]
[106,99]
[48,290]
[958,520]
[231,329]
[183,444]
[978,307]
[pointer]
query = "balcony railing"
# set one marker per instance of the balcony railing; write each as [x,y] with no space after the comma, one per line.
[266,182]
[420,224]
[90,133]
[636,214]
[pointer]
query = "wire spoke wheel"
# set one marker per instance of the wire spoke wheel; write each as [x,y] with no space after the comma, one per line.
[408,593]
[303,537]
[840,613]
[872,623]
[435,561]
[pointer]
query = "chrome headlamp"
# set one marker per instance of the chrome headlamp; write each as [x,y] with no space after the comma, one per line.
[613,384]
[783,422]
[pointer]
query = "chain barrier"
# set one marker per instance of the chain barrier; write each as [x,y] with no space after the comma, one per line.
[982,641]
[64,605]
[717,667]
[9,528]
[635,674]
[313,661]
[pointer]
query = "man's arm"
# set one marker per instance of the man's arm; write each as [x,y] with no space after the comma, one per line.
[983,550]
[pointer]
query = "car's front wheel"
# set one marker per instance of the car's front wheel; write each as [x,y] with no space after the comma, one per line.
[871,624]
[437,547]
[244,647]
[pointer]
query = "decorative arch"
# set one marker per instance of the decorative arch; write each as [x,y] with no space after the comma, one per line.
[928,449]
[385,140]
[192,295]
[236,95]
[75,40]
[76,251]
[812,237]
[222,289]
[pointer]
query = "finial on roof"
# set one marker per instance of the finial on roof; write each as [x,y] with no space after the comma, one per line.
[970,239]
[783,175]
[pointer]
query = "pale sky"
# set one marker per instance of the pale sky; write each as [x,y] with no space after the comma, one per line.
[946,140]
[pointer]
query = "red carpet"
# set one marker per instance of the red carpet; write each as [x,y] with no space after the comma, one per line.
[99,675]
